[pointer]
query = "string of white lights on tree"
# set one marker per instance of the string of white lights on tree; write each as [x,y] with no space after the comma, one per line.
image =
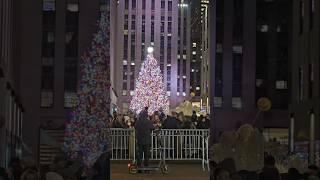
[150,89]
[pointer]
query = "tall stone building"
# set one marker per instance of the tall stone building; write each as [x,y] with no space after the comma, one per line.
[162,24]
[249,56]
[11,109]
[53,36]
[305,87]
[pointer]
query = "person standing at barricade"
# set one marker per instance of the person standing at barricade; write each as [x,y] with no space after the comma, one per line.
[171,122]
[162,116]
[144,128]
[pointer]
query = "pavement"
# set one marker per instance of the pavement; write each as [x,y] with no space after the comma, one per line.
[119,171]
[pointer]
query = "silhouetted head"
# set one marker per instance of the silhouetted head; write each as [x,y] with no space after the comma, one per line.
[269,161]
[294,173]
[222,174]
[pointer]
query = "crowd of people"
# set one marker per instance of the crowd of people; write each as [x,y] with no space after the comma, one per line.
[60,169]
[226,171]
[173,121]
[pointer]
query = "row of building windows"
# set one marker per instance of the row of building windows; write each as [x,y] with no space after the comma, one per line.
[310,84]
[143,4]
[48,53]
[311,10]
[182,52]
[11,119]
[132,41]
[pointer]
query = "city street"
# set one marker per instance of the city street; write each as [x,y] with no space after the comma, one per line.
[177,172]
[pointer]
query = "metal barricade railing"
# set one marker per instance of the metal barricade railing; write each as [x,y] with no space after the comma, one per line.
[206,156]
[178,144]
[123,144]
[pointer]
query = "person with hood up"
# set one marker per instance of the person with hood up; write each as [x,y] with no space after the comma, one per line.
[144,128]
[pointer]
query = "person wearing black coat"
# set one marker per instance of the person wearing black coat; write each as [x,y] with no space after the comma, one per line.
[269,170]
[194,117]
[144,128]
[171,122]
[203,123]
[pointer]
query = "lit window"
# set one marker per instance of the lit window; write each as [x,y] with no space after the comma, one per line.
[237,49]
[152,43]
[168,64]
[46,99]
[125,62]
[259,82]
[168,93]
[169,34]
[194,52]
[264,28]
[197,88]
[50,37]
[131,93]
[279,28]
[184,56]
[132,63]
[192,70]
[182,5]
[49,5]
[124,92]
[219,48]
[184,77]
[281,84]
[183,94]
[70,99]
[178,56]
[217,102]
[236,102]
[194,44]
[73,7]
[178,93]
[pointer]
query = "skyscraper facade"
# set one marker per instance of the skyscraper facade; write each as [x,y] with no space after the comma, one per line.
[305,72]
[11,109]
[163,25]
[196,40]
[242,58]
[54,35]
[205,56]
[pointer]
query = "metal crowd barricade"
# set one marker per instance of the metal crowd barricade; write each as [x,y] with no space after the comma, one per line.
[178,144]
[123,144]
[206,156]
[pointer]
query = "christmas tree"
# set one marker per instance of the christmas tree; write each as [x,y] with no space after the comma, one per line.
[150,89]
[86,131]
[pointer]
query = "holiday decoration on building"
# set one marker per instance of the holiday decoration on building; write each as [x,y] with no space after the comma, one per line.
[86,134]
[150,89]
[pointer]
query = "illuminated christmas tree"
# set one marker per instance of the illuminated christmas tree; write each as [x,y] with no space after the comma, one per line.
[86,131]
[150,89]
